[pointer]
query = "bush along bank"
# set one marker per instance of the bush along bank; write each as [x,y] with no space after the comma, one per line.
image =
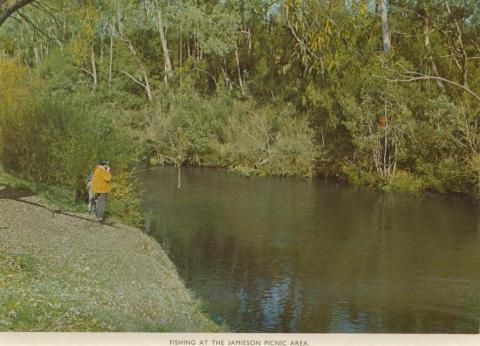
[373,133]
[396,154]
[57,141]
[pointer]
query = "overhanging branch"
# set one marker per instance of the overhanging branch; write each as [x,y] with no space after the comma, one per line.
[9,7]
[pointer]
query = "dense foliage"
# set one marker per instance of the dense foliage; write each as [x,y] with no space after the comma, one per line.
[375,93]
[58,141]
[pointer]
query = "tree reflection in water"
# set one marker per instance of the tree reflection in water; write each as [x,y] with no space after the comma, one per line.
[285,255]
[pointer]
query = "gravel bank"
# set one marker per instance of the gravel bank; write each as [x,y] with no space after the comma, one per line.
[70,273]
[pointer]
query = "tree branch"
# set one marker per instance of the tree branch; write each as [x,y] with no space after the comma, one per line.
[133,78]
[29,21]
[411,76]
[9,7]
[85,70]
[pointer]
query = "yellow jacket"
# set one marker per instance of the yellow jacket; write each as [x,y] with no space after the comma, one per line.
[101,180]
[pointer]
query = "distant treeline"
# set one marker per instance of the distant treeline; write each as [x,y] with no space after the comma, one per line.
[376,93]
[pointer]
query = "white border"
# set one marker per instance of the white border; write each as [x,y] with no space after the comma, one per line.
[224,339]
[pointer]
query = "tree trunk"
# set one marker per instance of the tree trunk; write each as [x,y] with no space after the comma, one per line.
[180,55]
[239,71]
[163,39]
[461,48]
[147,83]
[249,41]
[9,7]
[385,29]
[428,46]
[110,66]
[94,69]
[137,57]
[101,48]
[37,55]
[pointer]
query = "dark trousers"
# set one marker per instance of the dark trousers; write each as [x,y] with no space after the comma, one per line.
[101,205]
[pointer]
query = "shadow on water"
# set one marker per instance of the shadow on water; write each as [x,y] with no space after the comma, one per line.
[286,255]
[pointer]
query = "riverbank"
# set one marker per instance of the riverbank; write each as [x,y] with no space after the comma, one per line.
[400,182]
[63,271]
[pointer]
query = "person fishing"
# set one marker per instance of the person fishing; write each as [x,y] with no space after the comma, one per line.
[101,188]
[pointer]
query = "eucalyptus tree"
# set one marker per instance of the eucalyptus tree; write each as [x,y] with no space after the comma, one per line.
[154,14]
[208,37]
[32,32]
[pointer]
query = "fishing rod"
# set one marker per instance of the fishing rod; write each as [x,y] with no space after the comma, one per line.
[132,172]
[140,171]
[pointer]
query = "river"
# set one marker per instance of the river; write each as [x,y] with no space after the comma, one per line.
[289,255]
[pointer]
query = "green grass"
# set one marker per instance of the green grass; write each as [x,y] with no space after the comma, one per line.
[31,303]
[56,196]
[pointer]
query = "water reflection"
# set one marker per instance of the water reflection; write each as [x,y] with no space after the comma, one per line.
[280,255]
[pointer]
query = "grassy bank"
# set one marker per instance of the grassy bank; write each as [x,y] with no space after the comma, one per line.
[63,272]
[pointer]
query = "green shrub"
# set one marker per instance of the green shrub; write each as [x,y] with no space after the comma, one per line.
[403,181]
[58,141]
[223,132]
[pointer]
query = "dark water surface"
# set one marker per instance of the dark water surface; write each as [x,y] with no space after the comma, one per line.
[287,255]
